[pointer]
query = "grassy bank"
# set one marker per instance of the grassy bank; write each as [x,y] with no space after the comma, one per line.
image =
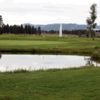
[47,44]
[70,84]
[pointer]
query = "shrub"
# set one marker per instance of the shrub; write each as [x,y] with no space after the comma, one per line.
[96,55]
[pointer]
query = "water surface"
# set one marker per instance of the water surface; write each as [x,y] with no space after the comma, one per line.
[11,62]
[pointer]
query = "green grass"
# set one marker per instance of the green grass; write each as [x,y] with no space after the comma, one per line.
[47,44]
[69,84]
[66,84]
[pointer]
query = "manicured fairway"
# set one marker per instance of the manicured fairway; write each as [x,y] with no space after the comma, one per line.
[47,44]
[70,84]
[33,41]
[29,44]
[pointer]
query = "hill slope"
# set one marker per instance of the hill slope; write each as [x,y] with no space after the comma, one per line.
[55,27]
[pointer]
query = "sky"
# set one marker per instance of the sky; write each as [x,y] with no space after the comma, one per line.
[47,11]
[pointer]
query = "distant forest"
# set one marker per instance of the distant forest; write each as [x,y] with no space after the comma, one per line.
[19,29]
[30,29]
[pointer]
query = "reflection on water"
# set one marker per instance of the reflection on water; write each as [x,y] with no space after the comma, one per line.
[89,61]
[37,62]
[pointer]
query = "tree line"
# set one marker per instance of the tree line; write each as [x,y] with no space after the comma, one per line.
[19,29]
[80,33]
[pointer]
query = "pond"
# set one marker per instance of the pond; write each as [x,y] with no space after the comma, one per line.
[12,62]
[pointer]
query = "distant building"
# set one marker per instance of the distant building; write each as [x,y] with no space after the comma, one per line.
[96,29]
[97,32]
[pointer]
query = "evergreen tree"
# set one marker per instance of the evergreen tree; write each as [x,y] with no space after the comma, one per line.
[1,21]
[39,30]
[91,21]
[1,24]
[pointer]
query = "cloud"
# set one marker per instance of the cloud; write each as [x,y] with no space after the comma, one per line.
[46,11]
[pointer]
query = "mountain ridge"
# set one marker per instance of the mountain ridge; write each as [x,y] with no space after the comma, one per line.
[55,26]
